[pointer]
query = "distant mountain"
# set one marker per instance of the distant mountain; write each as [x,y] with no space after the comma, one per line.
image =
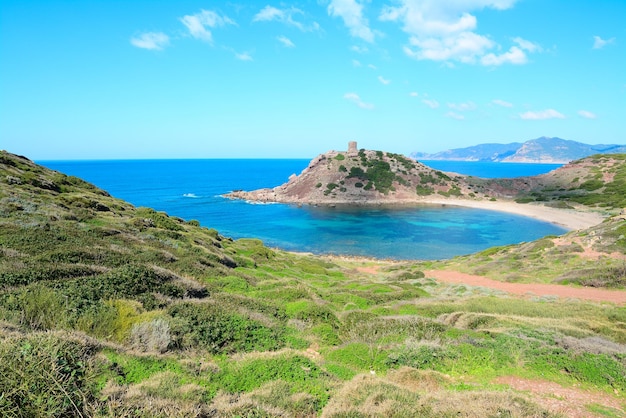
[540,150]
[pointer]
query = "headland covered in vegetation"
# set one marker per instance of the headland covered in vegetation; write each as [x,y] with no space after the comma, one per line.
[111,310]
[366,177]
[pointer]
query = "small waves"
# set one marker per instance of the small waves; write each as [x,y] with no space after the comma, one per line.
[191,195]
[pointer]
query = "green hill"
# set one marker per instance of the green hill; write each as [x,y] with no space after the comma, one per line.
[111,310]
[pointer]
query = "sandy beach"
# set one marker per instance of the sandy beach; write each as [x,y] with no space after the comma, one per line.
[571,219]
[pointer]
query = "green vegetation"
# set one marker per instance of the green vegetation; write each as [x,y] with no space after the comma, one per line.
[128,311]
[597,181]
[377,172]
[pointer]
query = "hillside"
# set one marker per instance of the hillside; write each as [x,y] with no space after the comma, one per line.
[598,181]
[540,150]
[111,310]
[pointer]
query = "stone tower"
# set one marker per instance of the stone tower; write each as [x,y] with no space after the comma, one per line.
[352,150]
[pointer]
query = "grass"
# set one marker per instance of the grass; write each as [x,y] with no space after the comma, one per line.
[132,312]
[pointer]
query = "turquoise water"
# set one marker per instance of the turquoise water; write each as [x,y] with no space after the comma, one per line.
[192,189]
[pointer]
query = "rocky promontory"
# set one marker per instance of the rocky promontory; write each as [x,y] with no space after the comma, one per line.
[593,187]
[362,177]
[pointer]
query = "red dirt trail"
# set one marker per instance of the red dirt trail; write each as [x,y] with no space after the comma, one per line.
[537,289]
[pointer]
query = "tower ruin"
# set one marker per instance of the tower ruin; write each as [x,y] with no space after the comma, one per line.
[352,150]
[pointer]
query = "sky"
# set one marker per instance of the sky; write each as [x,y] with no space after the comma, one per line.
[118,79]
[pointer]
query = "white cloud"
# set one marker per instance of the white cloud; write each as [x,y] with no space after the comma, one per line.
[433,104]
[456,116]
[354,98]
[371,66]
[445,30]
[601,43]
[383,80]
[464,47]
[286,16]
[351,12]
[439,17]
[243,56]
[462,107]
[502,103]
[527,45]
[151,40]
[514,56]
[356,63]
[542,115]
[413,94]
[198,24]
[269,13]
[587,114]
[359,49]
[285,41]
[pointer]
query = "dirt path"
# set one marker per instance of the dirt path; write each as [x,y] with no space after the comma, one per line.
[567,292]
[570,402]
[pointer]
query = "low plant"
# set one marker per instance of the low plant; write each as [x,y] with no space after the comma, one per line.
[51,374]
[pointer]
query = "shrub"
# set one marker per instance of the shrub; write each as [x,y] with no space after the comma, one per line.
[46,375]
[42,308]
[591,185]
[207,326]
[158,219]
[98,320]
[423,191]
[152,336]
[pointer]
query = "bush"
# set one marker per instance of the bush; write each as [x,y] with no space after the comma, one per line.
[423,191]
[153,336]
[46,375]
[207,326]
[42,308]
[97,320]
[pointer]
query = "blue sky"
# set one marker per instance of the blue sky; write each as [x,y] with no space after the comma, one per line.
[280,79]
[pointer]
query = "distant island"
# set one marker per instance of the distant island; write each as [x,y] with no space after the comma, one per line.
[540,150]
[366,177]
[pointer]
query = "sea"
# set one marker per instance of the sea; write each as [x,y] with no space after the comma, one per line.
[193,189]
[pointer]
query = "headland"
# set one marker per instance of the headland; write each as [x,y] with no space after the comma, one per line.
[366,177]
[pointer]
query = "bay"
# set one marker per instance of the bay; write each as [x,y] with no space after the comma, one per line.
[192,189]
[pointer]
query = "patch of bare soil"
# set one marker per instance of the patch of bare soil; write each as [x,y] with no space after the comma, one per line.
[588,251]
[368,269]
[570,402]
[533,289]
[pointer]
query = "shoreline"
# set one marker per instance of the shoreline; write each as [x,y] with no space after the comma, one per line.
[570,219]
